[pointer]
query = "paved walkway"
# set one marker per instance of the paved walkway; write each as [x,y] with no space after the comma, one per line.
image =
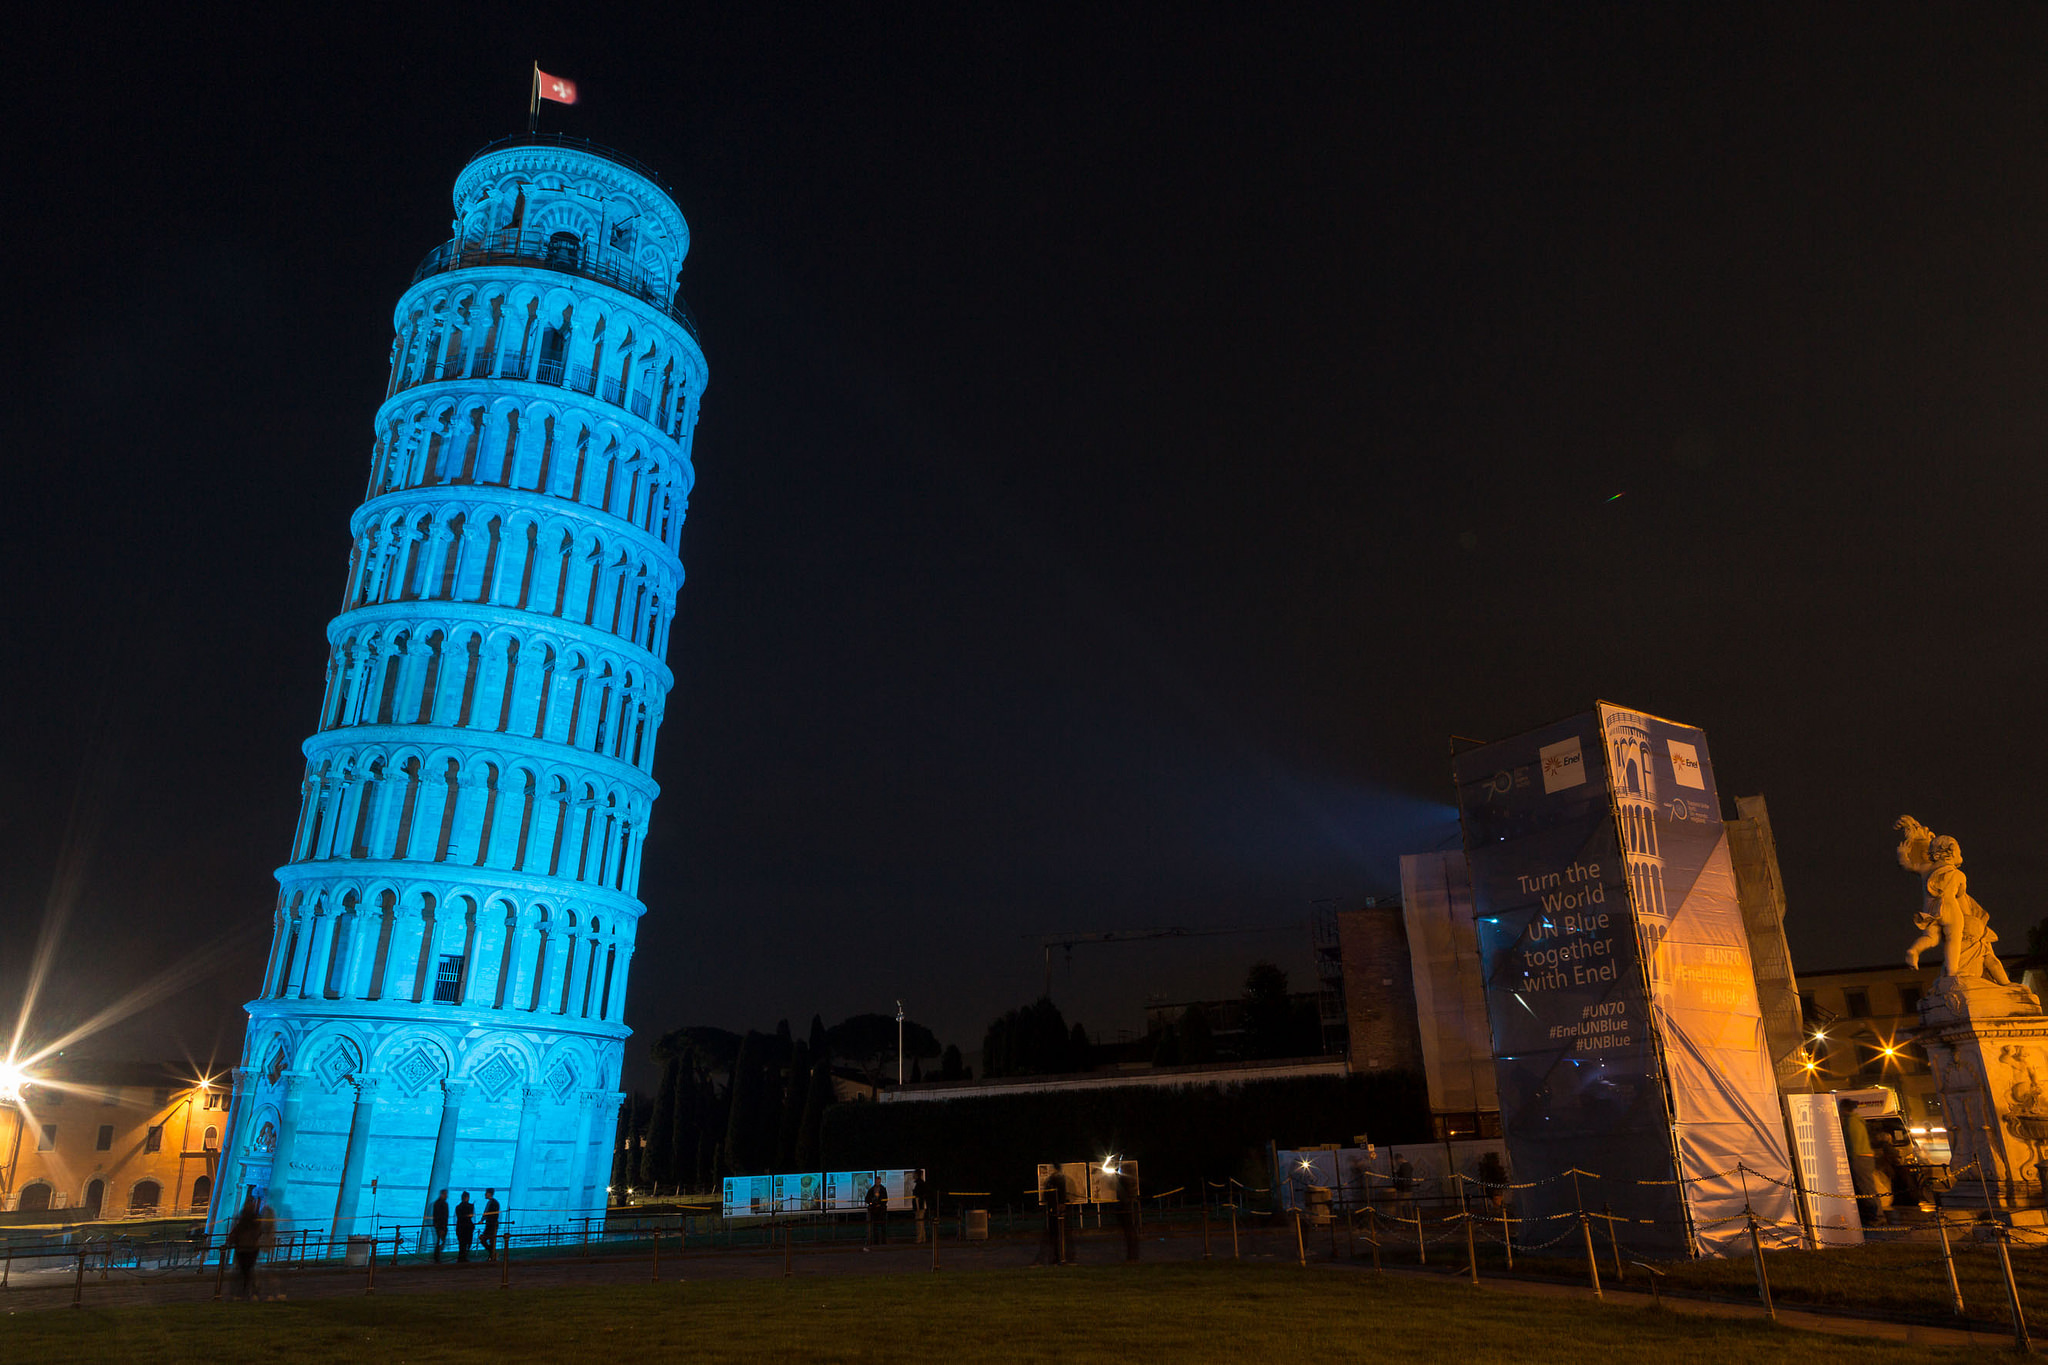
[56,1288]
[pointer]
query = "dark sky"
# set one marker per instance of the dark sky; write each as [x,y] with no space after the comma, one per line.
[1137,438]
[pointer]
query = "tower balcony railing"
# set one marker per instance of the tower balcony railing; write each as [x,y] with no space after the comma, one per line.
[550,251]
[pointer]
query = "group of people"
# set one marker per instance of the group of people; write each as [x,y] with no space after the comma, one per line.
[466,1225]
[1058,1246]
[876,1198]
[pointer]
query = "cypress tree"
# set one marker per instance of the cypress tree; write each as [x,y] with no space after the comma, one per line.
[809,1154]
[818,1032]
[796,1089]
[657,1165]
[688,1118]
[743,1116]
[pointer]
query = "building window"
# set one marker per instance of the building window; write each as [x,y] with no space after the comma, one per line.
[105,1142]
[35,1198]
[148,1194]
[49,1099]
[210,1141]
[448,980]
[1807,1009]
[48,1139]
[109,1098]
[202,1192]
[1909,997]
[216,1099]
[154,1140]
[1857,1003]
[161,1097]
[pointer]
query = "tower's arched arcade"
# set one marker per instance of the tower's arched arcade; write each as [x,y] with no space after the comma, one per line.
[455,925]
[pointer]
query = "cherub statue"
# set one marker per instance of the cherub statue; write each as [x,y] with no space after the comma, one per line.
[1950,917]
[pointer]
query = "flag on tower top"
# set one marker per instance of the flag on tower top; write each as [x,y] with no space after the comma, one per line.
[554,87]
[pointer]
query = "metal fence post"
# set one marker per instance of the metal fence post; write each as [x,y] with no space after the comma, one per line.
[1205,1220]
[1763,1280]
[1300,1250]
[1233,1229]
[657,1254]
[2012,1292]
[220,1276]
[78,1285]
[1613,1241]
[505,1261]
[1471,1249]
[1948,1261]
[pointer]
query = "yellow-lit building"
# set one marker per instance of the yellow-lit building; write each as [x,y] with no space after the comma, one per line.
[93,1140]
[1859,1027]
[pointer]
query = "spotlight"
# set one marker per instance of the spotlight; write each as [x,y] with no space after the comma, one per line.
[12,1081]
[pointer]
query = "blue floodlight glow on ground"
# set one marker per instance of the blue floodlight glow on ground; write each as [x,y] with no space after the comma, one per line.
[443,1000]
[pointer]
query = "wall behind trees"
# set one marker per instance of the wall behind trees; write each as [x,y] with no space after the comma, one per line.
[1178,1136]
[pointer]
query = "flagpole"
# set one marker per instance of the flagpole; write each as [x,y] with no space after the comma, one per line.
[533,103]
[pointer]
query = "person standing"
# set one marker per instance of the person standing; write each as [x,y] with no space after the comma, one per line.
[921,1204]
[465,1228]
[878,1212]
[490,1224]
[266,1238]
[1054,1199]
[245,1240]
[1862,1163]
[440,1224]
[1127,1211]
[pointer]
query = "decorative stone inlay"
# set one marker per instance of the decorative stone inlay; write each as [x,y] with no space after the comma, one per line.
[561,1077]
[338,1062]
[496,1076]
[418,1070]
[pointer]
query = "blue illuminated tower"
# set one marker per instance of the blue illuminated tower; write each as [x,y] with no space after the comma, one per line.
[443,1001]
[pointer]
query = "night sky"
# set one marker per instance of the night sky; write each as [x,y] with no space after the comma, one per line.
[1137,440]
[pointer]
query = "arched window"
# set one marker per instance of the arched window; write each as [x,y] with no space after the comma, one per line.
[202,1190]
[564,249]
[35,1198]
[95,1196]
[148,1194]
[554,345]
[209,1141]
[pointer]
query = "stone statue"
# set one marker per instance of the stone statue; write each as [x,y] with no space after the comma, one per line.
[1949,916]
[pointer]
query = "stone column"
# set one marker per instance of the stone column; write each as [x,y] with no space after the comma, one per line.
[352,1164]
[579,1156]
[230,1174]
[452,1093]
[526,1153]
[287,1129]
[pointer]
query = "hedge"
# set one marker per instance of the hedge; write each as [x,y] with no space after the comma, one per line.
[1178,1136]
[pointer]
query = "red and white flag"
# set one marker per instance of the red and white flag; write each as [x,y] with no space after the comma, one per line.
[554,87]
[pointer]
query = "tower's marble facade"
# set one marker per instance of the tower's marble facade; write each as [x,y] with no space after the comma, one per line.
[455,925]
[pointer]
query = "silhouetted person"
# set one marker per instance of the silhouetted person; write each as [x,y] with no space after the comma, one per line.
[490,1224]
[1054,1197]
[1862,1163]
[440,1224]
[245,1241]
[878,1212]
[465,1227]
[1127,1212]
[921,1202]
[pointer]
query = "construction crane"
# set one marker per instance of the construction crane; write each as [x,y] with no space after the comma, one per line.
[1048,942]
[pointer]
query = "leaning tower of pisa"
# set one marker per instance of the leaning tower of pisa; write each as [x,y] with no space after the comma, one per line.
[455,924]
[1634,769]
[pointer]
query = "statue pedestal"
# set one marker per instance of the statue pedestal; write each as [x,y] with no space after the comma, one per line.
[1988,1046]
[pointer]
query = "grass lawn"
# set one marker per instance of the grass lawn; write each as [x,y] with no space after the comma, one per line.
[1890,1277]
[1177,1312]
